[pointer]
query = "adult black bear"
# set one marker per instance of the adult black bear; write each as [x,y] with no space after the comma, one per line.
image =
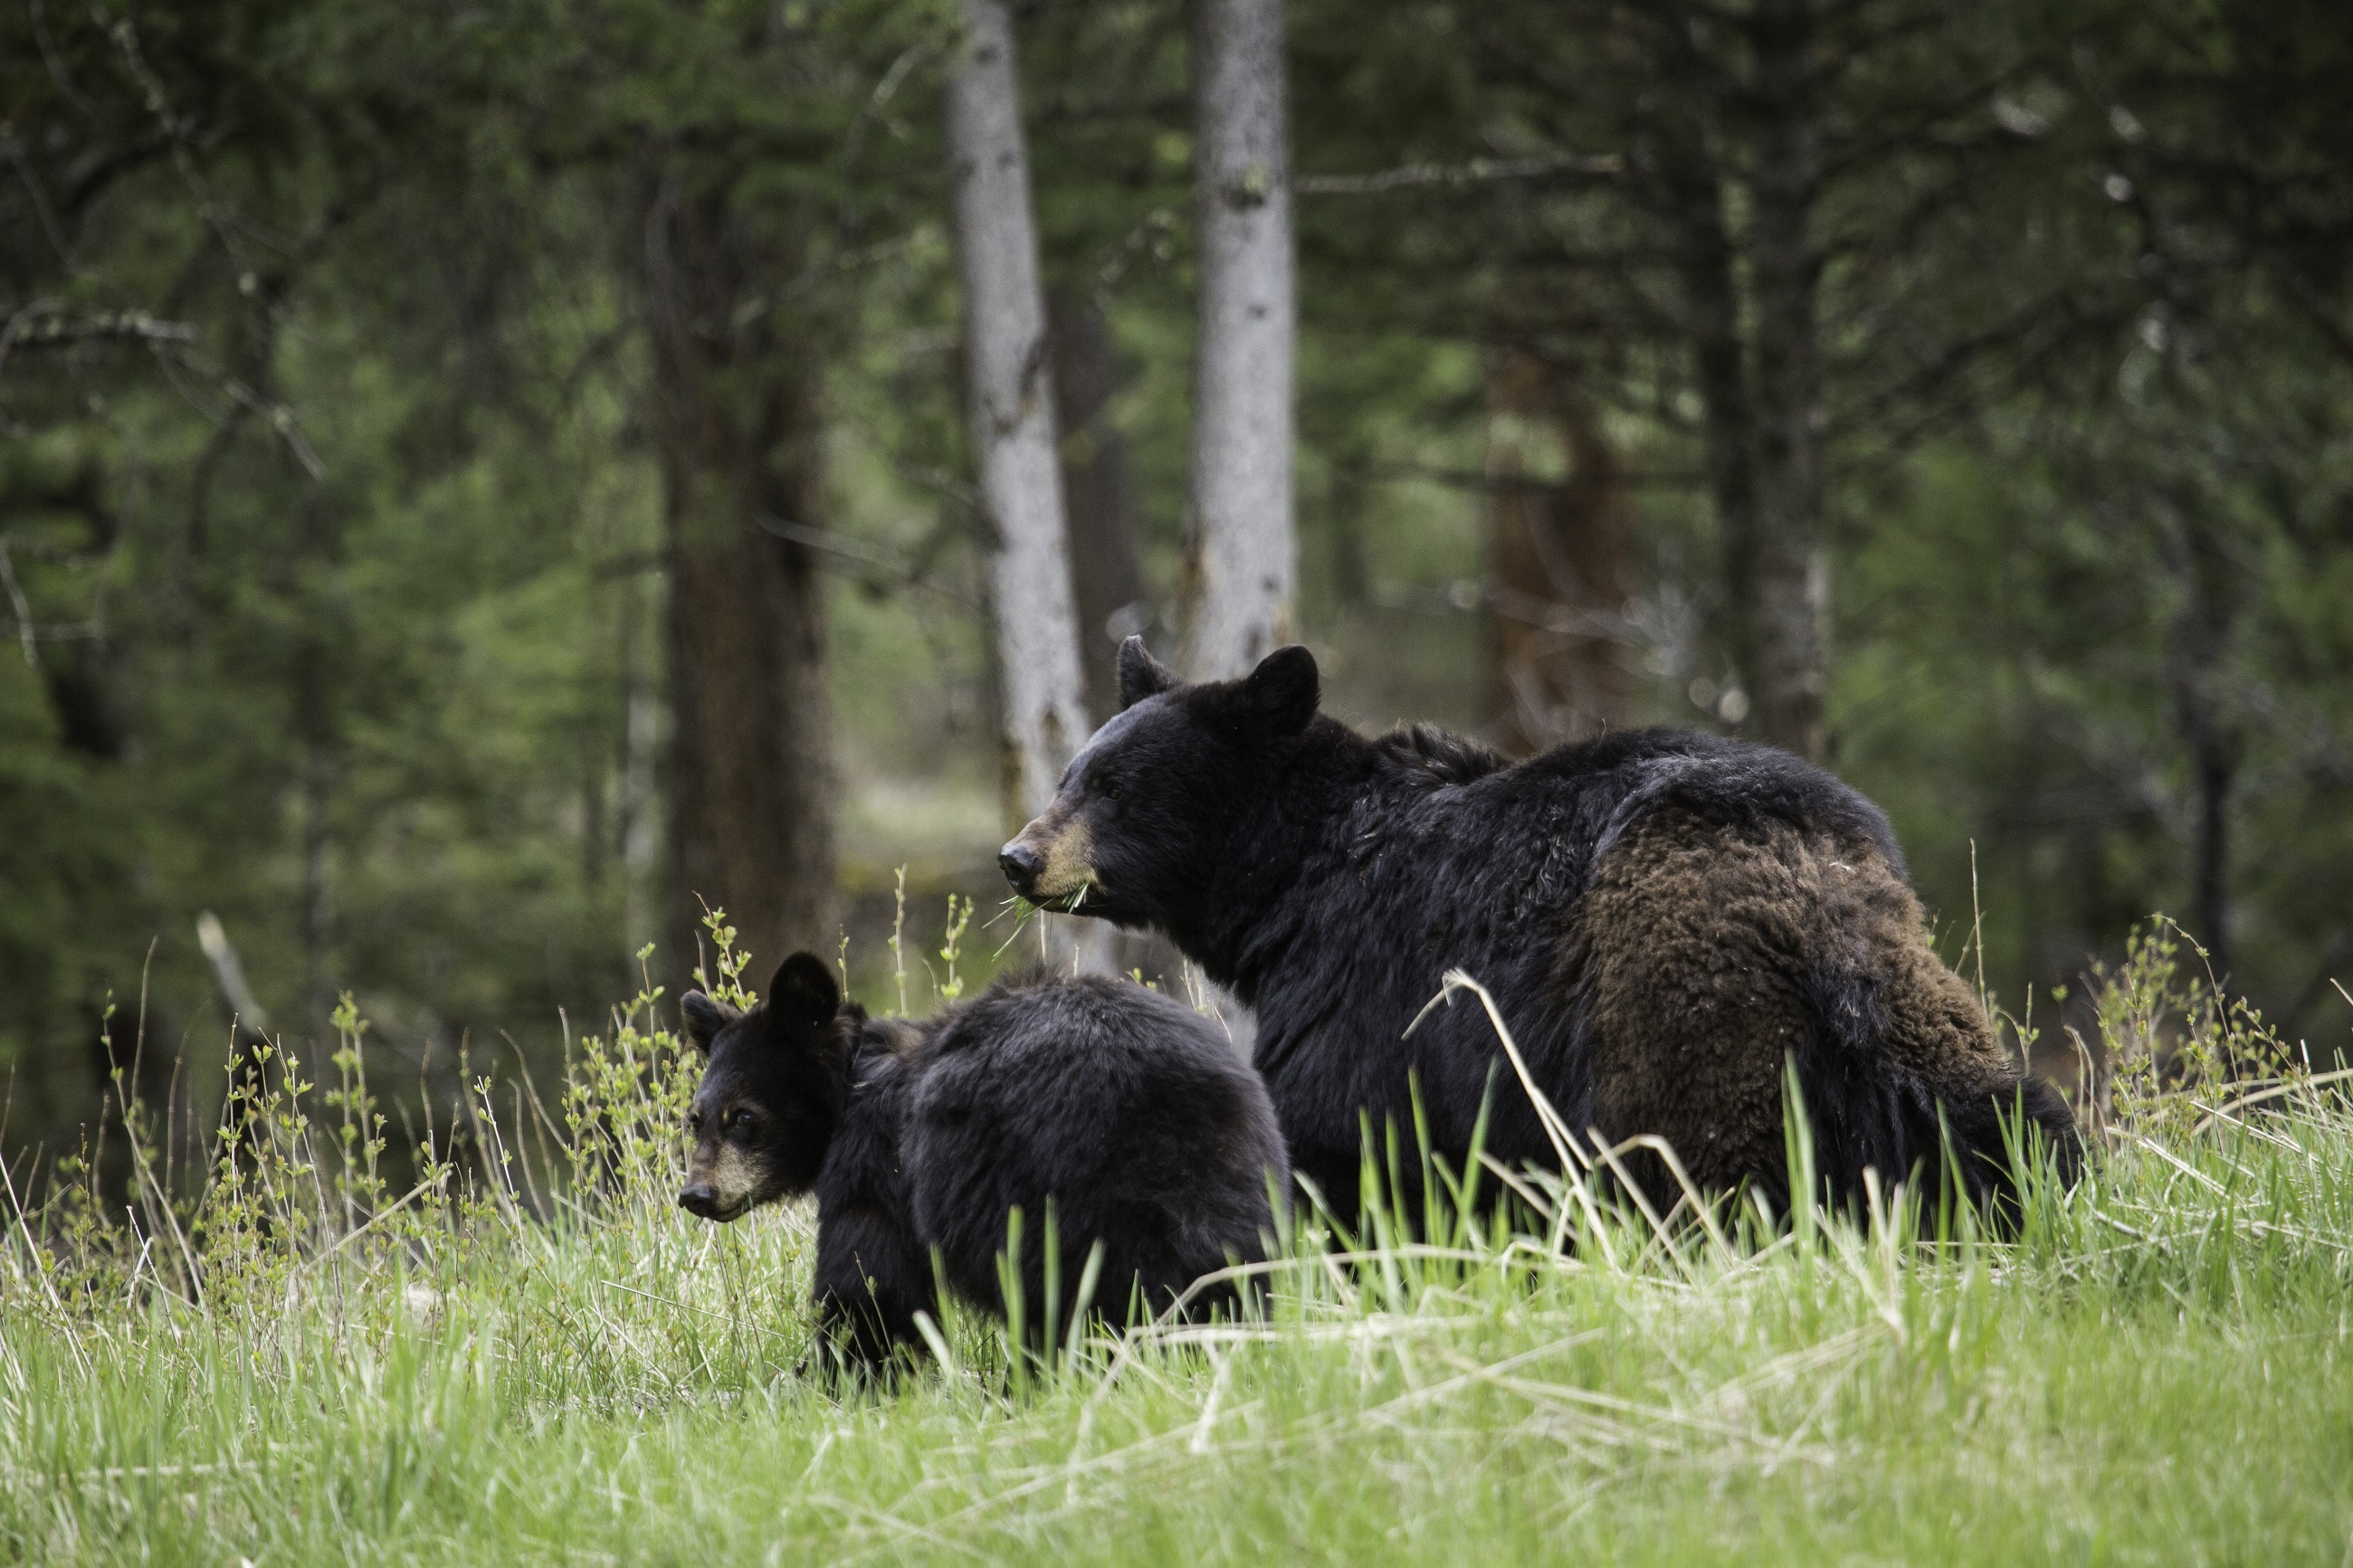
[1132,1116]
[1664,919]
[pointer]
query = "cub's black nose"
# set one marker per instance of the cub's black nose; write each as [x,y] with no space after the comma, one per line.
[1020,865]
[701,1198]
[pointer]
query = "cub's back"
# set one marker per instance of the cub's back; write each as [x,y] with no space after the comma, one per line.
[1086,1077]
[1135,1116]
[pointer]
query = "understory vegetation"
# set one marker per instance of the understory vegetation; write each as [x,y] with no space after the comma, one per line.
[530,1353]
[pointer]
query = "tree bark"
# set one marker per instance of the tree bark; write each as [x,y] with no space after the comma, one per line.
[1241,554]
[1557,525]
[1098,495]
[1010,407]
[737,426]
[1779,564]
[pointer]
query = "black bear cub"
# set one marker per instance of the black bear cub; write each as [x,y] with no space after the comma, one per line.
[1133,1117]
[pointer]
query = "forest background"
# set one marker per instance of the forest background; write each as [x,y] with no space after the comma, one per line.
[403,402]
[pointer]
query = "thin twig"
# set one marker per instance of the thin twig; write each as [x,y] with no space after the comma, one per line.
[1478,170]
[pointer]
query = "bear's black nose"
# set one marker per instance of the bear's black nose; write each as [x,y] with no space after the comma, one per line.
[701,1198]
[1020,865]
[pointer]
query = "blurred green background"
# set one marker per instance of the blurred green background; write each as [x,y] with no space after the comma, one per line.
[332,483]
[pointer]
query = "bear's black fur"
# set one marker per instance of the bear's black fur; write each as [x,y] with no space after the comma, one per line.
[1664,919]
[1131,1116]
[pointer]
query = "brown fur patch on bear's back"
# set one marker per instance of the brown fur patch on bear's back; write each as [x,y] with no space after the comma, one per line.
[1702,946]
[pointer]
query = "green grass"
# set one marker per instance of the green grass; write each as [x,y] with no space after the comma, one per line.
[545,1361]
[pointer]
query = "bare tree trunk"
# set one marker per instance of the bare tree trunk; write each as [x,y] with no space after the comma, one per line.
[1010,404]
[1242,555]
[737,426]
[1781,564]
[1555,559]
[1098,496]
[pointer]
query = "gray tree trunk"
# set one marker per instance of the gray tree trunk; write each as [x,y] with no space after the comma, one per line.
[1782,561]
[1009,402]
[1242,556]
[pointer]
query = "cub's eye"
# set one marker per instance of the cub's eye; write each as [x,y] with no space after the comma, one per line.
[1113,792]
[694,1122]
[741,1122]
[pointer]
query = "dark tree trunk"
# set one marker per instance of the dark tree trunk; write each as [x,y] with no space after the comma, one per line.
[736,422]
[1556,555]
[1098,495]
[2196,645]
[1780,565]
[1688,178]
[1106,580]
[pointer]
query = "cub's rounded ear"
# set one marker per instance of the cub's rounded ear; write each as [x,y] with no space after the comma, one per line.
[705,1018]
[1282,691]
[803,991]
[1140,674]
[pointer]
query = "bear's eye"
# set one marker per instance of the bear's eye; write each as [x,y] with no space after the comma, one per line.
[1113,792]
[741,1124]
[694,1122]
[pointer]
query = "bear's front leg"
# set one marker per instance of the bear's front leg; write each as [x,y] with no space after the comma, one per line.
[871,1280]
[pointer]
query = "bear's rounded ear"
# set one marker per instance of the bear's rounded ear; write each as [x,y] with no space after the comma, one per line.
[1282,691]
[705,1018]
[803,993]
[1140,674]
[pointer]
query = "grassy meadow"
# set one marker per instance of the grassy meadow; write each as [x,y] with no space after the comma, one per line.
[530,1354]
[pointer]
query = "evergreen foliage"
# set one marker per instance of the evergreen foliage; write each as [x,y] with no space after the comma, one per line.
[332,497]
